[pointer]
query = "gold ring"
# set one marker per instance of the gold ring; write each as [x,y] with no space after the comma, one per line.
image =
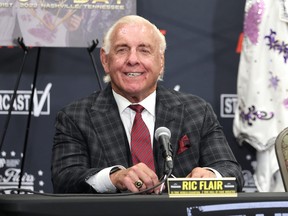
[138,184]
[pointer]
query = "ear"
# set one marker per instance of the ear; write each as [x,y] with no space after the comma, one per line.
[162,64]
[104,60]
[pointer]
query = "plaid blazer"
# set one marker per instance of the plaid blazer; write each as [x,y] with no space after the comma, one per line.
[90,136]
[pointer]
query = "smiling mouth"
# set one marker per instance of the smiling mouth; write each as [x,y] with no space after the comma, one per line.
[135,74]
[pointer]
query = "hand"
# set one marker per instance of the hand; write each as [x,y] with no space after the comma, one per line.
[199,172]
[125,179]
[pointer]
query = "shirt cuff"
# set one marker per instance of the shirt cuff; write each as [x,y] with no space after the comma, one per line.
[101,181]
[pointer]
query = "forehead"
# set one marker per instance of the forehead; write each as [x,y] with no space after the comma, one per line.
[134,33]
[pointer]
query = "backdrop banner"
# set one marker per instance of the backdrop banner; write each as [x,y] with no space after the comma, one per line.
[59,23]
[201,58]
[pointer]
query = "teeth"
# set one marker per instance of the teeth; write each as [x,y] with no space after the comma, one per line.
[133,74]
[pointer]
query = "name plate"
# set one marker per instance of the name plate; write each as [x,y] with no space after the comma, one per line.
[197,187]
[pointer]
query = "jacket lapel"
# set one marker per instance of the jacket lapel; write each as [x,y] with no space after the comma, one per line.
[169,113]
[110,130]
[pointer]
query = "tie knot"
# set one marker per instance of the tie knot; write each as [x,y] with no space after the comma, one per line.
[137,108]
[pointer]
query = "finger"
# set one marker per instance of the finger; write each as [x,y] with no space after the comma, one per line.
[139,185]
[133,182]
[132,179]
[202,173]
[148,176]
[196,175]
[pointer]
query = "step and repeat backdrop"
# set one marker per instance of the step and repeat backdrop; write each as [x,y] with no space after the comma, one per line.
[203,52]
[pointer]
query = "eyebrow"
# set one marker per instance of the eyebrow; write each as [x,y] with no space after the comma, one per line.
[145,45]
[121,45]
[126,45]
[140,46]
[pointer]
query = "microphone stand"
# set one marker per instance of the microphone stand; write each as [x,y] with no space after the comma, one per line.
[29,118]
[21,43]
[90,50]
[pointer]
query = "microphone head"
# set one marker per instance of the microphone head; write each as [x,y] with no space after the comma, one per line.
[162,131]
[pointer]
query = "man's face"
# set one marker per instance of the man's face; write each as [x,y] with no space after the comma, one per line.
[134,62]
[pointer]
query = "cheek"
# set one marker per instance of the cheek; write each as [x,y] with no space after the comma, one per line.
[117,63]
[157,67]
[110,66]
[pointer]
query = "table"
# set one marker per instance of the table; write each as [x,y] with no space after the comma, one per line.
[160,205]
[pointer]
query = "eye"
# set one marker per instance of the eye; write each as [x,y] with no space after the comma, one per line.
[121,50]
[145,50]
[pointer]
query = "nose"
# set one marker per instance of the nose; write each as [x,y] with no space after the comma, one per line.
[133,57]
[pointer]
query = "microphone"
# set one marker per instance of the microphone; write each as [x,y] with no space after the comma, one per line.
[162,135]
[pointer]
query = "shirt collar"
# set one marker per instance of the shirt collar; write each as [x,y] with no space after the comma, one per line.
[148,103]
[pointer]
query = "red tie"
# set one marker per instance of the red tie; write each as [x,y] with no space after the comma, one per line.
[141,149]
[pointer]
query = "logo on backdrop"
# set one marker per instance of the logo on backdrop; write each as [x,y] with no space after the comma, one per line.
[228,104]
[10,173]
[41,101]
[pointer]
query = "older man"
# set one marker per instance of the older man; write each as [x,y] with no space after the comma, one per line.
[95,149]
